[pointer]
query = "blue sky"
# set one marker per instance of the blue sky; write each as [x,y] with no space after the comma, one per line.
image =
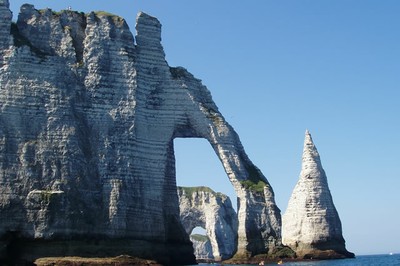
[276,68]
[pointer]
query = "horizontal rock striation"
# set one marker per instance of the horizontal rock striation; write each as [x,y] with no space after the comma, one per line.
[311,225]
[5,26]
[201,206]
[203,250]
[88,118]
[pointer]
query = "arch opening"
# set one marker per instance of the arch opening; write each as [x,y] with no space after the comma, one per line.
[205,194]
[199,230]
[201,244]
[197,165]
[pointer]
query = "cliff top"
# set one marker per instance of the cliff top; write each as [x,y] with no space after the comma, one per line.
[191,190]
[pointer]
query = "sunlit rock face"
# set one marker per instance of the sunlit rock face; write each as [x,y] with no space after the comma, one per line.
[201,206]
[202,248]
[311,224]
[88,117]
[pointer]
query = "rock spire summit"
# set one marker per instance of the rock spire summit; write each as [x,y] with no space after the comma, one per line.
[311,225]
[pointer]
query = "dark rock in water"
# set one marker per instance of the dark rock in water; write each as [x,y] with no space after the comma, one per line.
[311,225]
[122,260]
[88,120]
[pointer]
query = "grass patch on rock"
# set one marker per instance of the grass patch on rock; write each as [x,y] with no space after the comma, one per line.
[192,190]
[256,187]
[283,252]
[200,238]
[255,181]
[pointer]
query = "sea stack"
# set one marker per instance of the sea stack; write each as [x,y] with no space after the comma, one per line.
[203,207]
[311,225]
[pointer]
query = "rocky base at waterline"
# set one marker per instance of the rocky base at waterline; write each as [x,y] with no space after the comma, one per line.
[26,251]
[73,261]
[280,253]
[329,254]
[259,259]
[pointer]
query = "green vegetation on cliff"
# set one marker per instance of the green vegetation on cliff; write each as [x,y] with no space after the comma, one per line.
[200,238]
[117,19]
[104,14]
[257,187]
[255,181]
[191,190]
[177,72]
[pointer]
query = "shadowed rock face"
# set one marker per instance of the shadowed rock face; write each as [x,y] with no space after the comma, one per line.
[5,18]
[201,206]
[88,118]
[311,224]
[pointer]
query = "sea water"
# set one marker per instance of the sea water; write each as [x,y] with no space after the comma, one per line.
[368,260]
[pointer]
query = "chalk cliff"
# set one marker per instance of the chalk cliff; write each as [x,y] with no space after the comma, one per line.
[201,206]
[202,248]
[5,25]
[88,115]
[311,225]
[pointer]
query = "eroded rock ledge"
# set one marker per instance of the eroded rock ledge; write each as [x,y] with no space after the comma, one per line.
[87,122]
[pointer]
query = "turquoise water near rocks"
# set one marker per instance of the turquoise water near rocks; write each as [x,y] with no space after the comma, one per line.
[368,260]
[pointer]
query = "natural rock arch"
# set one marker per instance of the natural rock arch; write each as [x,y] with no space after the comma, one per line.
[201,206]
[203,250]
[177,105]
[86,147]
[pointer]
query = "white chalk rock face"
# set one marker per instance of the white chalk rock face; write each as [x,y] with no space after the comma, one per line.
[201,206]
[88,117]
[5,26]
[202,248]
[311,225]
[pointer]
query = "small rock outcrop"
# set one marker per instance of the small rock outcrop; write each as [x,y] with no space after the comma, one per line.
[88,118]
[201,206]
[311,225]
